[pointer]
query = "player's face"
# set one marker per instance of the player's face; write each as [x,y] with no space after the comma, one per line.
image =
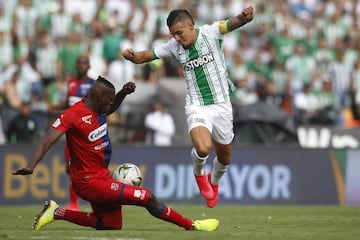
[82,65]
[107,100]
[184,33]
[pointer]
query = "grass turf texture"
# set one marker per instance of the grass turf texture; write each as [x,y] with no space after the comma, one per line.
[236,222]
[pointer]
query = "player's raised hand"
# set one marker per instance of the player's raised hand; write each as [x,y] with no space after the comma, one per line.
[128,54]
[23,171]
[129,87]
[248,13]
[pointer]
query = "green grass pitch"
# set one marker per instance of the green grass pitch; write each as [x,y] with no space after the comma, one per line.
[236,222]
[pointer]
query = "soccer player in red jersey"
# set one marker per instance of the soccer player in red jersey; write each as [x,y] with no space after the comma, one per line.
[77,88]
[90,150]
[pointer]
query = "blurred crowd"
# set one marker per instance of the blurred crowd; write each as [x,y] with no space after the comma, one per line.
[301,55]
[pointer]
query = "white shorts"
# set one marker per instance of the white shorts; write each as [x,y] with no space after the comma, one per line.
[217,118]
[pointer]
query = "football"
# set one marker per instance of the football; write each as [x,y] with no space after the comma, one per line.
[128,173]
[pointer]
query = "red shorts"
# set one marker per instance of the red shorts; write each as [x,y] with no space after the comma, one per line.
[106,194]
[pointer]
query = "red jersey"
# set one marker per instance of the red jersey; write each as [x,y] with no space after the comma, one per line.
[87,139]
[78,89]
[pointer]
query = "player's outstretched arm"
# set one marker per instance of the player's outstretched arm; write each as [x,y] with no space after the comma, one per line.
[46,142]
[127,88]
[244,17]
[138,57]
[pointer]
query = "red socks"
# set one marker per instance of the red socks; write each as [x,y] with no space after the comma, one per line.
[170,215]
[109,220]
[80,218]
[113,220]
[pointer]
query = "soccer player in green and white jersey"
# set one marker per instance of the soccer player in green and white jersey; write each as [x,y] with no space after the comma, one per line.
[208,108]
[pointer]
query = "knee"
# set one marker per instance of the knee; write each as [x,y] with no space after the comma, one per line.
[203,150]
[111,220]
[153,203]
[224,159]
[109,225]
[153,206]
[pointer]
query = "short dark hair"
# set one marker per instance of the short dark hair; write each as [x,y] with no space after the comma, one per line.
[83,56]
[178,15]
[105,81]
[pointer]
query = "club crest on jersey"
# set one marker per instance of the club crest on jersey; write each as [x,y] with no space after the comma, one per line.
[198,62]
[86,119]
[114,186]
[98,133]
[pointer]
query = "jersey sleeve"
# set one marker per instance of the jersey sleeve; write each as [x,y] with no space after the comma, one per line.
[214,30]
[63,122]
[164,50]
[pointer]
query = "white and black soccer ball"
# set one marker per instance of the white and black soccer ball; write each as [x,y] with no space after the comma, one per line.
[128,173]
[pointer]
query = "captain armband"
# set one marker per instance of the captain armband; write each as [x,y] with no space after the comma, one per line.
[224,26]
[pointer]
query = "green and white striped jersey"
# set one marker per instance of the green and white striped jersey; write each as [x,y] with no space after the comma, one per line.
[203,65]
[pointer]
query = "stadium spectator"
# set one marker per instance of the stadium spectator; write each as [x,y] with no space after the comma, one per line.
[98,66]
[208,106]
[329,113]
[25,20]
[23,128]
[32,90]
[112,40]
[86,130]
[237,68]
[85,9]
[243,94]
[278,74]
[6,50]
[60,22]
[355,90]
[306,106]
[121,70]
[46,55]
[68,53]
[56,91]
[282,44]
[160,125]
[323,55]
[300,67]
[270,95]
[11,97]
[339,73]
[258,70]
[5,19]
[335,27]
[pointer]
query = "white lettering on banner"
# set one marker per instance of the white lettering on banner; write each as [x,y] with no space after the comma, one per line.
[281,176]
[323,138]
[260,181]
[257,181]
[179,181]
